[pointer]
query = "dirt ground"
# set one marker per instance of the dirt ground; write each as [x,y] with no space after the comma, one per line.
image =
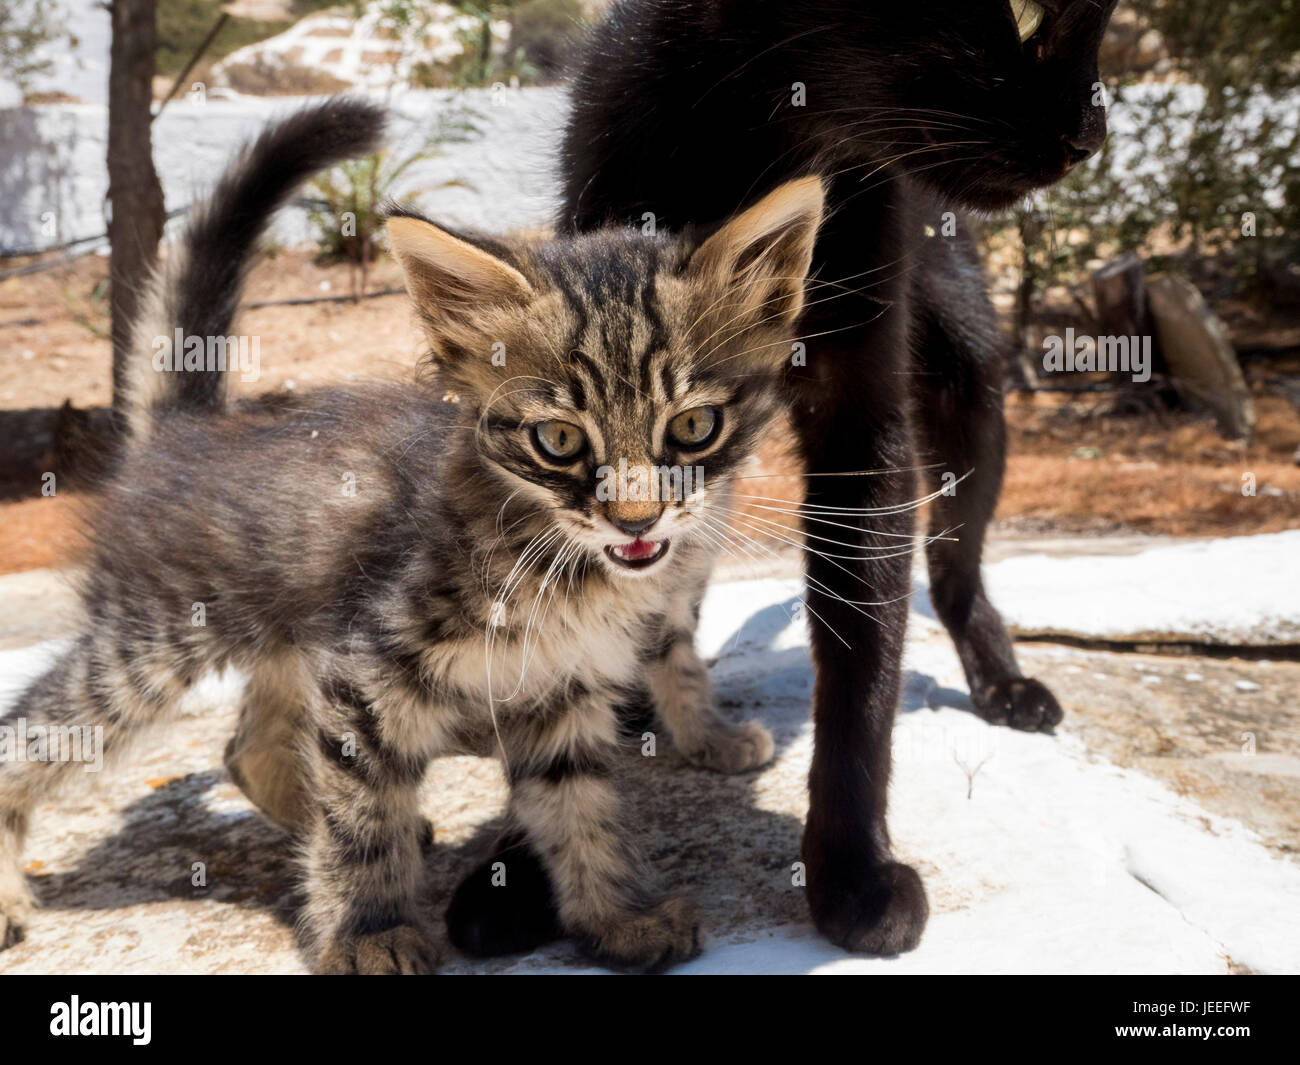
[1077,465]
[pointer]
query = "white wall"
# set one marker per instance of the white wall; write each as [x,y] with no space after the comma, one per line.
[53,159]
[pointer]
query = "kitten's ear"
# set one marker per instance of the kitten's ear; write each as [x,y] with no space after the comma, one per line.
[760,258]
[448,276]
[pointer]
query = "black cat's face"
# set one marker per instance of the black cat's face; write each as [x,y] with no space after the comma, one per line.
[982,101]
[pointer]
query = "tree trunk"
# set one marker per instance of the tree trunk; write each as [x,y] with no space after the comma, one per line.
[1120,293]
[1022,371]
[135,199]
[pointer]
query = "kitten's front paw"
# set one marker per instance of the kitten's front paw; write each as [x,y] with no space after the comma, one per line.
[15,910]
[1023,703]
[651,941]
[404,950]
[733,748]
[866,908]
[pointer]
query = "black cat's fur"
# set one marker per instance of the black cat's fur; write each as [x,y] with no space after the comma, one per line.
[685,111]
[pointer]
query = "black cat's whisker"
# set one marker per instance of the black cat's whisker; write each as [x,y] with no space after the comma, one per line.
[810,281]
[911,172]
[759,55]
[894,160]
[799,337]
[900,110]
[807,336]
[845,290]
[839,129]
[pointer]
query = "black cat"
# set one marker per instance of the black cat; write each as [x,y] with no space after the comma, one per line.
[684,112]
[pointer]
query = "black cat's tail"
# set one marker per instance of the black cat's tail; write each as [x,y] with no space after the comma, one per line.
[181,348]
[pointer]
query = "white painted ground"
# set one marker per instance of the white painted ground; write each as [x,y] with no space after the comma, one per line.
[1242,591]
[1069,864]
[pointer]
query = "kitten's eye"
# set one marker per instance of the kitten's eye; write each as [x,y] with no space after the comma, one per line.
[1028,15]
[560,440]
[694,428]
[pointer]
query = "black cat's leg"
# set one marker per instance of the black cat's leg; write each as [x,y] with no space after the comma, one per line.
[859,896]
[506,905]
[962,435]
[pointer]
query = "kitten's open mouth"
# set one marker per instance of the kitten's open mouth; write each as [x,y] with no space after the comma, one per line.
[638,554]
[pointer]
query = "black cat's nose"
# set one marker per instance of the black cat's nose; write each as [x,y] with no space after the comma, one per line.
[1080,146]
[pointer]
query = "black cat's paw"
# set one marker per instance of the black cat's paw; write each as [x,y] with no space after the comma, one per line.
[505,906]
[867,908]
[1022,703]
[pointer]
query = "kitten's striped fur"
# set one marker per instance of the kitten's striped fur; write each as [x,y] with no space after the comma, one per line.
[458,598]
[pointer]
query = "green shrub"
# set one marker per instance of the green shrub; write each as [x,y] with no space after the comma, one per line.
[1196,160]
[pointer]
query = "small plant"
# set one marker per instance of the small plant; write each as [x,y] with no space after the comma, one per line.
[544,35]
[90,311]
[26,27]
[351,196]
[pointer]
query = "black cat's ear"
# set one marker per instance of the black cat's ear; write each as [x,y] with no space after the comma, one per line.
[754,268]
[450,278]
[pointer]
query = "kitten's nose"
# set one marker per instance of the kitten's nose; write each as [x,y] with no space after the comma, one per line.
[634,528]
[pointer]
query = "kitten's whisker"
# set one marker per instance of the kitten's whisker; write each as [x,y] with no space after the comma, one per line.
[824,539]
[804,547]
[489,643]
[825,521]
[813,584]
[535,620]
[828,557]
[896,508]
[871,551]
[830,628]
[811,281]
[846,473]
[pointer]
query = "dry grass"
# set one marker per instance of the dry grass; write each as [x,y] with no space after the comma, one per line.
[1074,469]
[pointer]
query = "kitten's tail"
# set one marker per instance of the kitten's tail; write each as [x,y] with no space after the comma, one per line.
[196,292]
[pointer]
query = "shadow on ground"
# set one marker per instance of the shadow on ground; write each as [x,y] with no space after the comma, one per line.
[730,841]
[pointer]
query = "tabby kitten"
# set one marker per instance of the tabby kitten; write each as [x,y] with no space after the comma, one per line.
[689,110]
[435,567]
